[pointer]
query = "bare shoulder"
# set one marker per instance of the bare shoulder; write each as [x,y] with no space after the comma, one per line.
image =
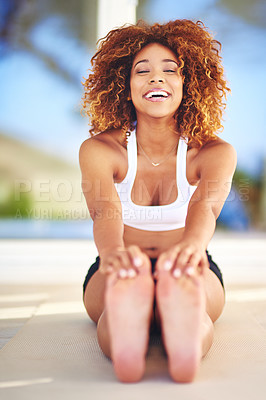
[106,143]
[217,153]
[219,146]
[103,149]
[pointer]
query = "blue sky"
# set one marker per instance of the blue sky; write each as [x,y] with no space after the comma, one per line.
[39,107]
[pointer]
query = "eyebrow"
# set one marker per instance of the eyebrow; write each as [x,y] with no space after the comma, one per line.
[164,60]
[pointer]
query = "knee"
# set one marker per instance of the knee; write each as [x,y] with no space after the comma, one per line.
[215,306]
[215,296]
[92,310]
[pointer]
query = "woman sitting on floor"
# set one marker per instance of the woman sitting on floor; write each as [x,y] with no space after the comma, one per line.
[155,177]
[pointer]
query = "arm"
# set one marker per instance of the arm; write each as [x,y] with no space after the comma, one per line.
[216,166]
[97,167]
[216,169]
[98,163]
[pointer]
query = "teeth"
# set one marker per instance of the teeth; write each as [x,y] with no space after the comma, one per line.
[157,93]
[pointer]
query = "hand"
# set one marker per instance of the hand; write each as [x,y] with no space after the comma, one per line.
[126,261]
[183,258]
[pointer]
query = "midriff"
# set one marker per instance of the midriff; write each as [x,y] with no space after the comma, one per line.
[152,243]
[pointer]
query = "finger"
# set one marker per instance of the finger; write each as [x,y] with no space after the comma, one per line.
[124,262]
[131,273]
[122,273]
[105,266]
[126,273]
[177,273]
[124,258]
[195,260]
[183,258]
[190,271]
[167,260]
[107,270]
[137,256]
[119,260]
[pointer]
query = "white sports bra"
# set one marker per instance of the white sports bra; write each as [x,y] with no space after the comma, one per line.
[155,218]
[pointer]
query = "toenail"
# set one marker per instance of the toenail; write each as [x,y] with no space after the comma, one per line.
[122,273]
[137,261]
[131,273]
[177,273]
[167,265]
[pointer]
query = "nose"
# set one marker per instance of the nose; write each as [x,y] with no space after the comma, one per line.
[158,79]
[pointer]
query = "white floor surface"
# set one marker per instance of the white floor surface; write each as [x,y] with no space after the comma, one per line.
[49,347]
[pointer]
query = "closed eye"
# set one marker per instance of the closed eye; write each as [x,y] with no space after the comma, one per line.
[142,72]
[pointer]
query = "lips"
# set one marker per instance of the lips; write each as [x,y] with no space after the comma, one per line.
[156,95]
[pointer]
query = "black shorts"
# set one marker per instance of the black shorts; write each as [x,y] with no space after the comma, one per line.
[95,266]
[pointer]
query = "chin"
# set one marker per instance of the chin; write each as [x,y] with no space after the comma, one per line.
[155,114]
[160,115]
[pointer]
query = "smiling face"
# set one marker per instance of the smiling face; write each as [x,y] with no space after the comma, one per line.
[156,86]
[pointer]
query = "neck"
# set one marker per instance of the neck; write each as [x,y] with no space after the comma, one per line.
[156,136]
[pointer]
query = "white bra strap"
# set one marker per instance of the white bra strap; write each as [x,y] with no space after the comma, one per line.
[181,165]
[132,158]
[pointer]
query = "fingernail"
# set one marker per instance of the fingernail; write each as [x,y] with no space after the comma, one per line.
[167,265]
[122,273]
[177,273]
[190,271]
[131,273]
[137,262]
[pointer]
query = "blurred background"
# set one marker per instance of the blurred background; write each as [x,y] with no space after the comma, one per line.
[45,52]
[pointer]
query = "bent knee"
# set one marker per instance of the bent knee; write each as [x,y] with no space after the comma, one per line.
[215,296]
[94,310]
[94,296]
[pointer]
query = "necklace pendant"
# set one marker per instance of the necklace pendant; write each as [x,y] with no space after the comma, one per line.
[155,164]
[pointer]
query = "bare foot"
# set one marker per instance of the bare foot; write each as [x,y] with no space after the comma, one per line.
[129,306]
[181,304]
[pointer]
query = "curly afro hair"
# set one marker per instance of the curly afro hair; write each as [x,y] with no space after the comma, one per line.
[199,116]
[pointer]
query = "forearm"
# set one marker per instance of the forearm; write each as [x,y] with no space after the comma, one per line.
[108,233]
[200,224]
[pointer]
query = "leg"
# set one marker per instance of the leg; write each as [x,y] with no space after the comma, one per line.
[129,308]
[187,306]
[94,304]
[94,296]
[215,299]
[122,309]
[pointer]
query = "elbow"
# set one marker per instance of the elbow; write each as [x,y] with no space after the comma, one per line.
[216,209]
[206,208]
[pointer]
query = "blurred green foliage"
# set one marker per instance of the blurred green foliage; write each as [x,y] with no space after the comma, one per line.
[16,208]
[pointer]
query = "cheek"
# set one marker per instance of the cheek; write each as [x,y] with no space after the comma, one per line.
[179,88]
[135,91]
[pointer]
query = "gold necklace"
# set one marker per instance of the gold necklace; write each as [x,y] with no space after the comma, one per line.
[158,163]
